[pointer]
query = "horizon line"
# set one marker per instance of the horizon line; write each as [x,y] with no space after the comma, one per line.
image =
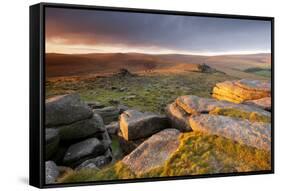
[191,54]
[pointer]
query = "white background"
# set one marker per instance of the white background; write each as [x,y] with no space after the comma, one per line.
[14,88]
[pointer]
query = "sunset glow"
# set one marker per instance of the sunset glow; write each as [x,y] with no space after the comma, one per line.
[72,31]
[86,49]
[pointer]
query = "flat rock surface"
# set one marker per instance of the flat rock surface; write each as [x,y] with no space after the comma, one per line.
[81,129]
[137,125]
[196,105]
[256,85]
[153,152]
[241,90]
[264,103]
[65,109]
[255,134]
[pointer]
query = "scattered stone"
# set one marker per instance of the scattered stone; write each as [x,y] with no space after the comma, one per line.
[136,125]
[129,97]
[81,129]
[108,114]
[52,141]
[178,118]
[51,172]
[79,152]
[123,89]
[65,109]
[153,152]
[255,134]
[241,90]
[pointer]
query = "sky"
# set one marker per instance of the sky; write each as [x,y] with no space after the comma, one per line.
[77,31]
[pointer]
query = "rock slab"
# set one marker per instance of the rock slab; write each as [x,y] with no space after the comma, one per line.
[137,125]
[81,151]
[255,134]
[153,152]
[65,109]
[81,129]
[241,90]
[196,105]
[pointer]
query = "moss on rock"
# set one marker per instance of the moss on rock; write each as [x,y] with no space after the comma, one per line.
[236,113]
[197,154]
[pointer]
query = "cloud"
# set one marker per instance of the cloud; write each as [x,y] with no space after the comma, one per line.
[182,33]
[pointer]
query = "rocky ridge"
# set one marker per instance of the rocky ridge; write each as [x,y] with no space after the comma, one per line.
[240,112]
[73,134]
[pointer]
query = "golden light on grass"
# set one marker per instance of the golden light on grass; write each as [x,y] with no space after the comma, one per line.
[197,154]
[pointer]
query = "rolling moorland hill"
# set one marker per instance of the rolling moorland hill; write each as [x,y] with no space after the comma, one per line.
[243,66]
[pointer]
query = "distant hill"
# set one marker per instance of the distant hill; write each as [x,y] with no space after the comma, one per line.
[58,65]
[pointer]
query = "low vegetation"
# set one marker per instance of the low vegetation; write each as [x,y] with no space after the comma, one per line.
[143,92]
[197,154]
[266,72]
[251,116]
[116,148]
[112,172]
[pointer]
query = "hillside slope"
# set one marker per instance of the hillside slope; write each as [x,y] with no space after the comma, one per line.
[58,65]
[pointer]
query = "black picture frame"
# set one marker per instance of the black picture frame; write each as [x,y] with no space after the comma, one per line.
[37,93]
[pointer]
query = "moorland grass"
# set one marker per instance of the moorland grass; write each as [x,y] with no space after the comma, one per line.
[266,72]
[197,154]
[142,92]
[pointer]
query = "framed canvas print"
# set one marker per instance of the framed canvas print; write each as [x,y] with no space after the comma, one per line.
[127,95]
